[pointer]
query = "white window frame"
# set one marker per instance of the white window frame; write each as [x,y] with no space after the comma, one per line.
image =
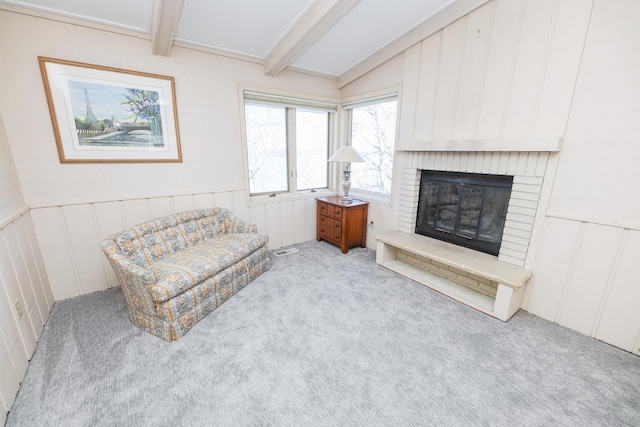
[360,101]
[291,100]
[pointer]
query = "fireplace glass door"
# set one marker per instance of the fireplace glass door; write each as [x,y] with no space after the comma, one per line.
[466,209]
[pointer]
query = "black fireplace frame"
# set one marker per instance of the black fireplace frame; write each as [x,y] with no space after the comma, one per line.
[461,179]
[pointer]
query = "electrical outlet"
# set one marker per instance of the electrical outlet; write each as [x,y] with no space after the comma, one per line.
[372,225]
[18,308]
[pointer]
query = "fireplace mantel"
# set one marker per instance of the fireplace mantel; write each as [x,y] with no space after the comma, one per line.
[548,144]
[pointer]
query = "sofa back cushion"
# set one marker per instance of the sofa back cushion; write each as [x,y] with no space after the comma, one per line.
[154,240]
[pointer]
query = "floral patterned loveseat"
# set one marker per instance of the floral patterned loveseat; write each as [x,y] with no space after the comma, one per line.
[177,269]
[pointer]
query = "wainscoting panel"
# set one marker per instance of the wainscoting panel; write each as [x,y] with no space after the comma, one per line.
[39,268]
[22,279]
[40,310]
[620,320]
[70,235]
[183,203]
[585,278]
[31,322]
[137,211]
[592,269]
[553,266]
[163,206]
[84,243]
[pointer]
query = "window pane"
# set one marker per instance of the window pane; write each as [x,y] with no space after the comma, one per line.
[266,148]
[312,148]
[373,133]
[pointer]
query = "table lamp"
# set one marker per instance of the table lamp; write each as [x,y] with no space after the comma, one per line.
[346,154]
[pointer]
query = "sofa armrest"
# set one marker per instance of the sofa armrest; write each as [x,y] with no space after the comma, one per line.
[237,225]
[135,280]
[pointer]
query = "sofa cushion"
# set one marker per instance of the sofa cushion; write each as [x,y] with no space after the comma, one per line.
[181,271]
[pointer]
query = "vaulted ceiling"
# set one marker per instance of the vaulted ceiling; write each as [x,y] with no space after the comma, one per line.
[338,38]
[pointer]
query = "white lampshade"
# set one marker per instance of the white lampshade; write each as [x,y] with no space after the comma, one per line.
[346,153]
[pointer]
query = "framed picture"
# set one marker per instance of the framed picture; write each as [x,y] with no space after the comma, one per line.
[109,115]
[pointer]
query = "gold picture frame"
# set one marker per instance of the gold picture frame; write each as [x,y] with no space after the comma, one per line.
[110,115]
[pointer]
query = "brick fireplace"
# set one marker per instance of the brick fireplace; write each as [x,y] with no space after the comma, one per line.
[527,168]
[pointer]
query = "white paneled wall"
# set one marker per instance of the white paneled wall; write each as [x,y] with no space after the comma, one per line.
[23,282]
[23,279]
[70,235]
[586,278]
[505,71]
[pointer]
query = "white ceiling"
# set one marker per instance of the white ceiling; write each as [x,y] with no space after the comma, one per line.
[328,37]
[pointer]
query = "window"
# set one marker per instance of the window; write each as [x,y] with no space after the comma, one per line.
[287,143]
[373,133]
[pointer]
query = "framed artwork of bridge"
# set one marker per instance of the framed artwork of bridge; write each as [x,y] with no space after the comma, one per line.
[110,115]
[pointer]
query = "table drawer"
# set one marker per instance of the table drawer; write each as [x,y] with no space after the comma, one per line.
[330,229]
[330,210]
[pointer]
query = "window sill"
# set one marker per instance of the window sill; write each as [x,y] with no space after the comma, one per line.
[377,198]
[283,197]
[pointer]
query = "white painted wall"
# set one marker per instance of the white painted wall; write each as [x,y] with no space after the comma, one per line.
[512,69]
[22,279]
[528,69]
[74,206]
[207,101]
[585,275]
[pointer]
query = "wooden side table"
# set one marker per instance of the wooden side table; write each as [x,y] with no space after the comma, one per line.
[343,224]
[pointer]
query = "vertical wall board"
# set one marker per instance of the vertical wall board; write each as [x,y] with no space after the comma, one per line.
[224,200]
[527,72]
[521,167]
[286,223]
[274,225]
[240,208]
[32,270]
[16,347]
[542,160]
[9,294]
[135,211]
[37,255]
[109,219]
[311,213]
[494,164]
[448,79]
[23,281]
[299,220]
[55,252]
[85,248]
[9,380]
[587,285]
[259,218]
[552,267]
[409,101]
[620,323]
[502,48]
[182,203]
[372,215]
[426,86]
[385,217]
[203,201]
[487,161]
[473,68]
[161,206]
[563,61]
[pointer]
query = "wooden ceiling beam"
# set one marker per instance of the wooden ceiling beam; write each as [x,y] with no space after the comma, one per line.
[164,25]
[323,15]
